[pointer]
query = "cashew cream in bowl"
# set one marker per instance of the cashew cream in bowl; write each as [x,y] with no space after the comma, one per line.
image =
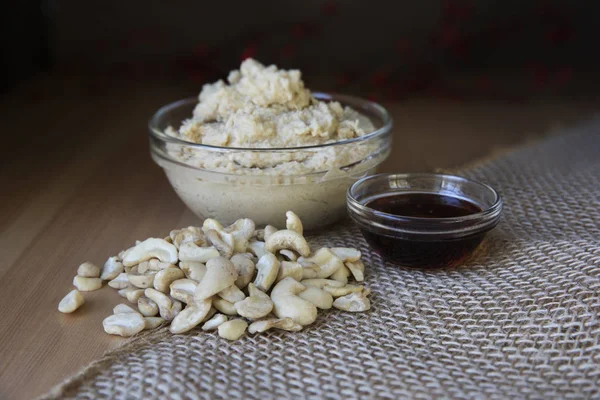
[263,144]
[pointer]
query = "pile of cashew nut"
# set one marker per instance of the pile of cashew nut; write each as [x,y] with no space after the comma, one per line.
[231,279]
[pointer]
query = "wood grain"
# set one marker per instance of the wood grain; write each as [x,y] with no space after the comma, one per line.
[78,184]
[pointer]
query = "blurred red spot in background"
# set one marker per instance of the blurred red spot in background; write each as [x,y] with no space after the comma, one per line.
[299,31]
[379,78]
[249,51]
[563,75]
[538,73]
[329,8]
[483,83]
[288,50]
[402,46]
[201,50]
[559,34]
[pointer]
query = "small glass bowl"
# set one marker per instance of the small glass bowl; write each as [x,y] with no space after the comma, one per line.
[312,181]
[423,242]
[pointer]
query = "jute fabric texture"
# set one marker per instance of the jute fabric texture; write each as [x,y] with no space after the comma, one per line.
[520,319]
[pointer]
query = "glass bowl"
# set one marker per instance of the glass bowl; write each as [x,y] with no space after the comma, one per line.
[423,241]
[264,183]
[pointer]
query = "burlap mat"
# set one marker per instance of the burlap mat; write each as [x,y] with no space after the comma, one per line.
[519,320]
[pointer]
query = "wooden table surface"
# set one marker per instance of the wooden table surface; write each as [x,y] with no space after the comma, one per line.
[78,184]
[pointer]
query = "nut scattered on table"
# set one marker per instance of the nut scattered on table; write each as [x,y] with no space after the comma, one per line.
[267,278]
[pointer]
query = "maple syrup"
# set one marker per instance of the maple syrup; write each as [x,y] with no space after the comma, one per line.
[416,252]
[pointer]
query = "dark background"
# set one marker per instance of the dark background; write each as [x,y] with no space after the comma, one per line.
[385,50]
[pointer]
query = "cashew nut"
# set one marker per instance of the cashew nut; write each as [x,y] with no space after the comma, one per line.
[257,248]
[268,231]
[183,290]
[287,239]
[346,253]
[124,324]
[84,284]
[268,268]
[153,322]
[153,265]
[190,317]
[123,309]
[357,268]
[342,291]
[120,282]
[184,235]
[164,278]
[132,294]
[293,222]
[167,307]
[309,270]
[341,275]
[353,302]
[141,281]
[320,283]
[318,297]
[256,305]
[224,306]
[191,252]
[326,260]
[286,303]
[193,270]
[147,307]
[288,255]
[232,294]
[71,302]
[286,324]
[220,274]
[232,330]
[111,269]
[245,269]
[291,269]
[214,322]
[221,241]
[150,248]
[242,230]
[211,223]
[88,270]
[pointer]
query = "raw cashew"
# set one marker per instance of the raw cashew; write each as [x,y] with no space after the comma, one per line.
[124,324]
[184,235]
[150,248]
[291,269]
[153,322]
[287,239]
[190,317]
[210,314]
[71,302]
[88,270]
[141,281]
[288,254]
[147,307]
[341,275]
[318,297]
[357,268]
[165,277]
[153,265]
[132,294]
[320,283]
[224,306]
[214,322]
[219,241]
[353,302]
[268,268]
[191,252]
[310,270]
[326,260]
[257,248]
[220,274]
[170,313]
[293,222]
[232,330]
[346,253]
[342,291]
[211,223]
[123,309]
[242,230]
[84,284]
[111,269]
[287,324]
[268,231]
[232,294]
[256,305]
[193,269]
[123,292]
[167,307]
[120,282]
[245,269]
[183,290]
[288,304]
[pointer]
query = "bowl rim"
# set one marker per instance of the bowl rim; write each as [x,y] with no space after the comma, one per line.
[380,110]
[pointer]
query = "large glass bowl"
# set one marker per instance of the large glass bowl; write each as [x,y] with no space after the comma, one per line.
[263,183]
